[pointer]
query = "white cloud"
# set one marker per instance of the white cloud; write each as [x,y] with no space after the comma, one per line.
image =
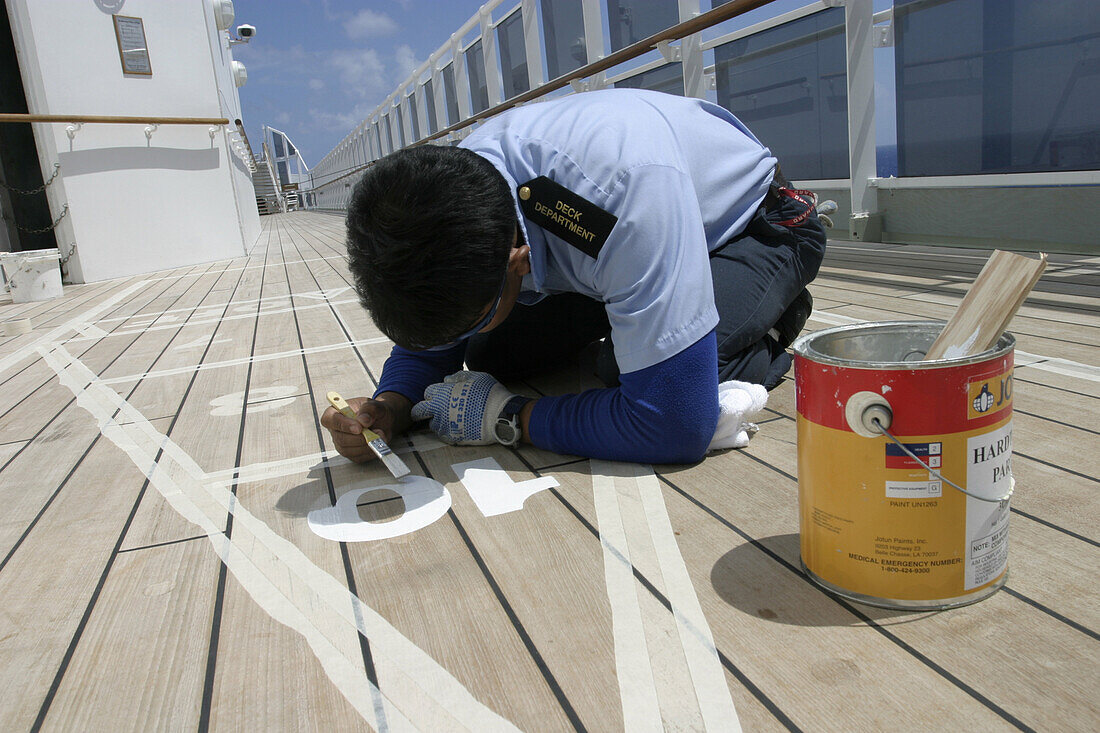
[342,122]
[361,71]
[316,85]
[368,23]
[406,61]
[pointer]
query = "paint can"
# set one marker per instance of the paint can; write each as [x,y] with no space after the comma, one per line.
[32,275]
[15,327]
[904,466]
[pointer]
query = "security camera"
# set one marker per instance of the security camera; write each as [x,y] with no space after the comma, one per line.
[246,31]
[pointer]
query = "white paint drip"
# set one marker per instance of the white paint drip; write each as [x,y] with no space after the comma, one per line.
[955,351]
[493,490]
[283,581]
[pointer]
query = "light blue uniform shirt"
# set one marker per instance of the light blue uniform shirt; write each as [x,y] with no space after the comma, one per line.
[682,175]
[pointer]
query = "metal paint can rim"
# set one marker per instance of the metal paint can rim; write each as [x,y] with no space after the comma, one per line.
[923,333]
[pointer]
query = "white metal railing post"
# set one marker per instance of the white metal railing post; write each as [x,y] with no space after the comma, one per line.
[536,75]
[439,98]
[489,58]
[866,222]
[691,54]
[462,79]
[593,39]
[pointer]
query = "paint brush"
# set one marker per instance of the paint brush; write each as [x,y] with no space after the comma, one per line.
[374,440]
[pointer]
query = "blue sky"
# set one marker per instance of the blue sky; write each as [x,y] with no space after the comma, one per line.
[318,67]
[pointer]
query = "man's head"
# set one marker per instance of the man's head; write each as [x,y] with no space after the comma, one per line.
[430,230]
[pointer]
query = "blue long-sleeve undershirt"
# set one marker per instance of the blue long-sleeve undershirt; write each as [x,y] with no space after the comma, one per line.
[409,372]
[665,413]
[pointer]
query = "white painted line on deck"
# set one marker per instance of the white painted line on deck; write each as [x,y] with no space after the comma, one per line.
[421,442]
[283,581]
[613,482]
[30,349]
[633,665]
[246,267]
[240,316]
[715,702]
[207,366]
[312,294]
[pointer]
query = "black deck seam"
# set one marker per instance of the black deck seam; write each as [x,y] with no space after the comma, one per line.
[164,544]
[345,555]
[1082,428]
[525,638]
[70,651]
[829,280]
[1056,466]
[206,704]
[78,633]
[1051,612]
[1054,526]
[1067,390]
[49,501]
[900,643]
[30,393]
[726,662]
[517,624]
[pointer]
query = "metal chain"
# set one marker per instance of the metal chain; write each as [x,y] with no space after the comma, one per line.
[51,227]
[64,260]
[56,170]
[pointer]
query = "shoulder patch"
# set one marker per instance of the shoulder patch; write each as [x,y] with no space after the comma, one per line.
[566,215]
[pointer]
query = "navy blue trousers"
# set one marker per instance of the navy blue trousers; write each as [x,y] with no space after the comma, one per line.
[756,276]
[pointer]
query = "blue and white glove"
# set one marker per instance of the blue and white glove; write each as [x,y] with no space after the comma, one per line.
[463,408]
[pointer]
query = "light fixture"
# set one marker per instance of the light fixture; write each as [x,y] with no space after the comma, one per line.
[223,13]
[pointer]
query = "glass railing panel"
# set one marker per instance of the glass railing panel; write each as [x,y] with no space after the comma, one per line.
[429,106]
[475,69]
[631,21]
[1018,81]
[414,116]
[513,55]
[668,79]
[398,121]
[451,94]
[788,84]
[563,30]
[385,124]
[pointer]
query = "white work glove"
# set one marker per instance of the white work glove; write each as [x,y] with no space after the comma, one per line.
[463,408]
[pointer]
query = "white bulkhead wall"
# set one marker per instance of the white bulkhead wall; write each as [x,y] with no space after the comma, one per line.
[136,204]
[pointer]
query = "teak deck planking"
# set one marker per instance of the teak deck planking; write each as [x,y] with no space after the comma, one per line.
[117,610]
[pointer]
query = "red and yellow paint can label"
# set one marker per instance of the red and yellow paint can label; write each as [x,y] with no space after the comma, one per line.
[877,523]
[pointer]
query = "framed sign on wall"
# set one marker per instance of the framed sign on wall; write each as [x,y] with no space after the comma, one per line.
[132,49]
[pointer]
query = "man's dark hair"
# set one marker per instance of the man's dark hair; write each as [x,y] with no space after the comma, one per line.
[429,232]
